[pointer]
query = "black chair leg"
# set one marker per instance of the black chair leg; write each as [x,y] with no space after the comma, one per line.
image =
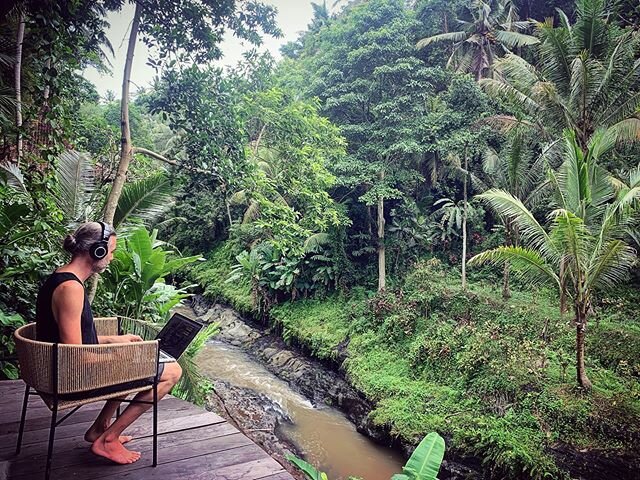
[23,419]
[52,434]
[155,424]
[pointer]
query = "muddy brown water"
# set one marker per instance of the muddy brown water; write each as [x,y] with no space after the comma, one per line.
[328,438]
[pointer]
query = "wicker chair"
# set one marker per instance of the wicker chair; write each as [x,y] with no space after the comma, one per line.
[69,376]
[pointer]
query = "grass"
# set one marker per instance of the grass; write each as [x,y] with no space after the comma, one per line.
[496,377]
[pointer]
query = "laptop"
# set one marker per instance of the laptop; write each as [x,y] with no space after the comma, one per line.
[176,336]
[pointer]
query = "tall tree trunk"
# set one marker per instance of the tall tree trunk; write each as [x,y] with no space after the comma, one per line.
[581,327]
[17,71]
[563,287]
[382,280]
[506,292]
[125,140]
[464,225]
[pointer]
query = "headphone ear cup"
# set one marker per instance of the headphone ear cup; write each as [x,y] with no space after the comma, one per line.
[99,250]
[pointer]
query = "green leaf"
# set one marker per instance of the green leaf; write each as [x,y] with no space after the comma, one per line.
[309,470]
[425,461]
[144,199]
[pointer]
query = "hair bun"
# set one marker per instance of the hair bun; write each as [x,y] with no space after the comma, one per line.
[70,244]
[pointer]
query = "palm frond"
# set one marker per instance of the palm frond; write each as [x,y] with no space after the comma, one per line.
[145,199]
[510,94]
[505,204]
[626,131]
[515,39]
[611,264]
[526,263]
[442,37]
[76,178]
[10,173]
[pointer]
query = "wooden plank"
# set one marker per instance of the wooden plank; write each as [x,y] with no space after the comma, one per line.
[39,418]
[168,420]
[200,468]
[246,471]
[283,475]
[77,459]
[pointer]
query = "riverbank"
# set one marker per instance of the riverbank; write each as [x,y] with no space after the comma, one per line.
[265,394]
[494,377]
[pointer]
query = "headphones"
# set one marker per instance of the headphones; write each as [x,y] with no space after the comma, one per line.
[98,250]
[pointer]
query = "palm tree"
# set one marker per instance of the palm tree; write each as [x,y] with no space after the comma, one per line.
[491,31]
[517,170]
[587,233]
[588,78]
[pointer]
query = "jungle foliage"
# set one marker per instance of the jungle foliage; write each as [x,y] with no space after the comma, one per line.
[339,191]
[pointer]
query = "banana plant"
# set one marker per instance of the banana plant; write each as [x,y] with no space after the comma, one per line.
[311,472]
[425,461]
[140,263]
[423,464]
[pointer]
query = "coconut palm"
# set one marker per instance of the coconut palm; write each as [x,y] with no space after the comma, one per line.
[587,78]
[518,170]
[587,233]
[492,30]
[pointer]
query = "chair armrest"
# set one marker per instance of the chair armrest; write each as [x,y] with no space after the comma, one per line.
[87,367]
[106,325]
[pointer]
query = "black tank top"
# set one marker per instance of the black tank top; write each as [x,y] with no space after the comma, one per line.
[46,326]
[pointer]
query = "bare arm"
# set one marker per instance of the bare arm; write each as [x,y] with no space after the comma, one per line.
[67,304]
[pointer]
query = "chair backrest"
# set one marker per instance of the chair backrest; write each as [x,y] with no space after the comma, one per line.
[66,368]
[36,359]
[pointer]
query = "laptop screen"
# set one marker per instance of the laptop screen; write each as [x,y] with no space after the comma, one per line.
[177,334]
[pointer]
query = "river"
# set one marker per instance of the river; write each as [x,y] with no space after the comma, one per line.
[329,439]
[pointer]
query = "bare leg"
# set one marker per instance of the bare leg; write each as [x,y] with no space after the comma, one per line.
[103,421]
[108,445]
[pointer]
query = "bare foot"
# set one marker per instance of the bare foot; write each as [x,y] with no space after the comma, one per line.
[114,451]
[95,431]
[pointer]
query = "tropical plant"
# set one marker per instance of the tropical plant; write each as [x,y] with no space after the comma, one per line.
[586,236]
[492,30]
[425,460]
[250,265]
[423,464]
[518,170]
[131,284]
[311,472]
[8,325]
[588,78]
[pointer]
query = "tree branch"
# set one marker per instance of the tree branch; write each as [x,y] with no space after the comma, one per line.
[164,159]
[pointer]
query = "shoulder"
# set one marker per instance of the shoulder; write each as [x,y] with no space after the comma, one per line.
[69,291]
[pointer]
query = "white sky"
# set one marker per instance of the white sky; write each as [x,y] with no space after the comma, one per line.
[293,17]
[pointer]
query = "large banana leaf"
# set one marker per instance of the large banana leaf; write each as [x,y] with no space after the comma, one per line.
[309,470]
[425,461]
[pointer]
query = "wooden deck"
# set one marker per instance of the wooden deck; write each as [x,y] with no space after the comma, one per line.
[192,444]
